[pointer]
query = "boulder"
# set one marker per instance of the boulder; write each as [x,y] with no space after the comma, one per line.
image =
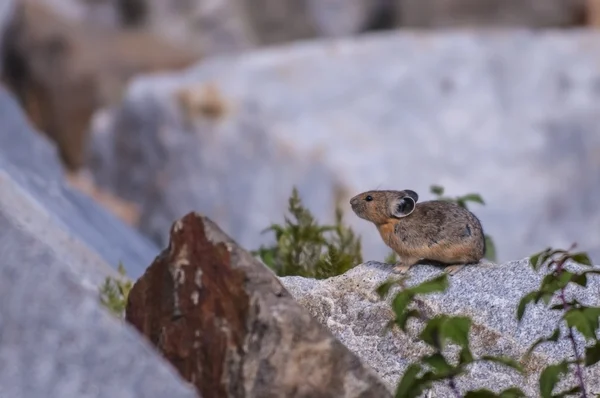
[230,328]
[56,247]
[62,68]
[57,339]
[486,13]
[349,307]
[37,197]
[504,114]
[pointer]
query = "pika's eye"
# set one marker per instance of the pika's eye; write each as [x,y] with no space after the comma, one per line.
[369,198]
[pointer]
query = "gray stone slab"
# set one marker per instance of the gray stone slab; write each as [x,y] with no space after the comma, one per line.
[55,340]
[30,163]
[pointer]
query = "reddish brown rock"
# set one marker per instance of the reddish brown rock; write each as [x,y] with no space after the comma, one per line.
[230,327]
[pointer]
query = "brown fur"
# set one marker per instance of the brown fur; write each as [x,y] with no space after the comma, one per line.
[436,230]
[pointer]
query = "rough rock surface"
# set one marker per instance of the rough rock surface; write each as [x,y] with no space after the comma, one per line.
[36,197]
[56,247]
[227,324]
[505,114]
[63,69]
[56,340]
[486,13]
[489,294]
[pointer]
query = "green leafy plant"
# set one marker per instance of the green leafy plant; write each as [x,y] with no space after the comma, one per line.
[576,317]
[438,333]
[442,329]
[304,247]
[114,292]
[462,201]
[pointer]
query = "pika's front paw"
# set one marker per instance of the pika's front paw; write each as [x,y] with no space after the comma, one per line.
[453,269]
[400,268]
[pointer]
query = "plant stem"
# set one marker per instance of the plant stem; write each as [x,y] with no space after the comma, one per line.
[578,372]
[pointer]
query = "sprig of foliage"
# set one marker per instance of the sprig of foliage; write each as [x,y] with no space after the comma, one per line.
[305,248]
[490,252]
[438,333]
[576,317]
[114,292]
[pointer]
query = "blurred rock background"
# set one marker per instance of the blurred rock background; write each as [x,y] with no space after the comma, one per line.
[221,106]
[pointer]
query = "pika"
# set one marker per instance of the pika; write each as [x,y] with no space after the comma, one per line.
[436,231]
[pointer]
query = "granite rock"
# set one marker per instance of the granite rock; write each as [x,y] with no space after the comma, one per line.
[489,293]
[36,195]
[511,114]
[57,339]
[230,328]
[56,247]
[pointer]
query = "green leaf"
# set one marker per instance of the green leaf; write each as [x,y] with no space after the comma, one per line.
[528,298]
[579,279]
[465,356]
[457,330]
[540,258]
[438,284]
[585,320]
[401,302]
[572,391]
[409,386]
[431,332]
[490,249]
[509,362]
[437,190]
[484,393]
[473,197]
[553,337]
[383,289]
[550,376]
[438,363]
[552,283]
[581,258]
[592,354]
[442,328]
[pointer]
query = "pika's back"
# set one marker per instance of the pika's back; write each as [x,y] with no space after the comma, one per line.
[443,219]
[436,229]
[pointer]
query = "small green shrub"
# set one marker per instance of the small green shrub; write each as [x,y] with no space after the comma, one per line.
[114,293]
[304,247]
[576,317]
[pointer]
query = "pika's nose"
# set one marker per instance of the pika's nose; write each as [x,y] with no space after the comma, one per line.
[353,201]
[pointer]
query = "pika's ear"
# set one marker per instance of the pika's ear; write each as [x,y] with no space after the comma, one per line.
[412,194]
[402,207]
